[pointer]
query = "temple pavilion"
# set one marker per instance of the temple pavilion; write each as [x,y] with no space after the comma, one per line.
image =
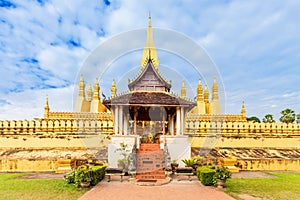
[149,107]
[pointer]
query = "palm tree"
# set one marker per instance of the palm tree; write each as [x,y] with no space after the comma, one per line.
[253,119]
[268,118]
[288,116]
[298,118]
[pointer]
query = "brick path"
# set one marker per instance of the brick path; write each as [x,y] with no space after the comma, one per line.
[184,189]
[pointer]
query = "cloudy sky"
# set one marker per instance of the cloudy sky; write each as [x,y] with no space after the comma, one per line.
[255,46]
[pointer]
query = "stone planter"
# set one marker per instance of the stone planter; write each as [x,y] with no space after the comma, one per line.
[174,167]
[85,184]
[221,184]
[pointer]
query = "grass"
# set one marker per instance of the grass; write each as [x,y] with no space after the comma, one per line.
[285,186]
[12,188]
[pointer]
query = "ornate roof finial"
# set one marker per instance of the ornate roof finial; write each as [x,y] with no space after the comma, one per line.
[183,90]
[215,87]
[243,111]
[199,91]
[46,108]
[90,93]
[113,89]
[206,94]
[149,20]
[47,103]
[96,90]
[81,87]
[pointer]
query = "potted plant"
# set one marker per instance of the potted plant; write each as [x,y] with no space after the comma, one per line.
[83,177]
[222,174]
[189,162]
[121,164]
[125,153]
[174,165]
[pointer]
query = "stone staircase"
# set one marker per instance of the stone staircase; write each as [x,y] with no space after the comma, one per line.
[150,162]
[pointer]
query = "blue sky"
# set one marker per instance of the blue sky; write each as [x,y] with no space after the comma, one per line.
[254,44]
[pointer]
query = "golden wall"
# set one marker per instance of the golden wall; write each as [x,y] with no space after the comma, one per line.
[250,141]
[26,165]
[69,132]
[270,164]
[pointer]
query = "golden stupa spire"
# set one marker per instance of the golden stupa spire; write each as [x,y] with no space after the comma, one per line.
[206,94]
[149,49]
[113,89]
[183,90]
[243,111]
[199,91]
[96,90]
[90,93]
[81,86]
[46,108]
[215,87]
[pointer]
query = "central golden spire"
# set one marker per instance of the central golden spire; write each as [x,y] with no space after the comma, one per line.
[149,49]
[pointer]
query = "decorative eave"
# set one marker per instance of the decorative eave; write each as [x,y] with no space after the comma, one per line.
[149,98]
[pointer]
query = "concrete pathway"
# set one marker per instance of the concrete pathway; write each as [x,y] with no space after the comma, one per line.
[184,189]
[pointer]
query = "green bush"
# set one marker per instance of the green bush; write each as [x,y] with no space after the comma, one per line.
[82,175]
[189,162]
[206,175]
[223,173]
[70,177]
[203,168]
[88,174]
[97,174]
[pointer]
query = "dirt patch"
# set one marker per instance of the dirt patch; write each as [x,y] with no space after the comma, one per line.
[42,176]
[249,197]
[252,174]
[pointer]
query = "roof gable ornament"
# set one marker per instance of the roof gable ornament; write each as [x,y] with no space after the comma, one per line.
[149,80]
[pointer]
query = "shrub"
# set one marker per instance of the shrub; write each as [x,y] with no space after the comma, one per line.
[70,177]
[97,174]
[206,175]
[82,175]
[92,174]
[223,173]
[189,162]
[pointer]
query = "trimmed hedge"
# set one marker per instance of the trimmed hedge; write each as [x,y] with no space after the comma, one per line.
[97,174]
[206,175]
[83,173]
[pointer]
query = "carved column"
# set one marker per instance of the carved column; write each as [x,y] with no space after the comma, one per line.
[120,120]
[178,121]
[182,120]
[116,114]
[126,118]
[134,120]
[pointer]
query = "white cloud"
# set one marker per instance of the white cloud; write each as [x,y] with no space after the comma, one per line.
[30,103]
[254,43]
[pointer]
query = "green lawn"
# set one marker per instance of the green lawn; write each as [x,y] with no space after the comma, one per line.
[23,189]
[286,186]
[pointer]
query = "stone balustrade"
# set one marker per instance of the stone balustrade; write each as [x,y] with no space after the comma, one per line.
[103,116]
[198,127]
[61,126]
[68,123]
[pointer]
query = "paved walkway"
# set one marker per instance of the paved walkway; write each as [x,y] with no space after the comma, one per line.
[184,189]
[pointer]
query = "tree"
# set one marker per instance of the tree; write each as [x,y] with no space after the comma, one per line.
[253,119]
[268,118]
[288,116]
[298,118]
